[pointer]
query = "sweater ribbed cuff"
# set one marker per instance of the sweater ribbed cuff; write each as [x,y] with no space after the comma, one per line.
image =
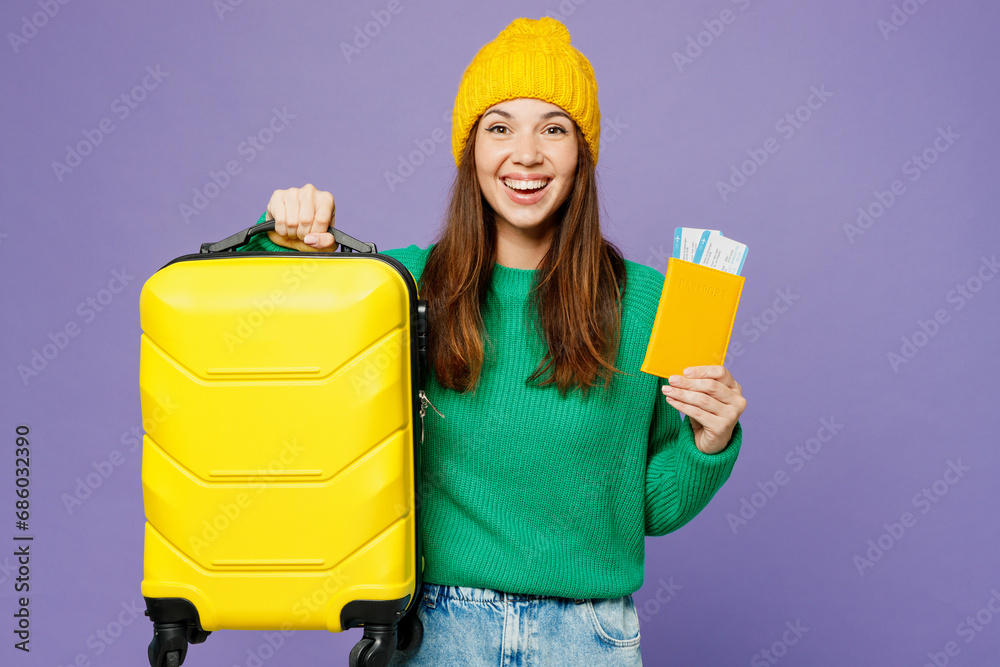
[681,479]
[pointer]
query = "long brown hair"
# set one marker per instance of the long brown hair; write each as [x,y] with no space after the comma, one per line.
[576,295]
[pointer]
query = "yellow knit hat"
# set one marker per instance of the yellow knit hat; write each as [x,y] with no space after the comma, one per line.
[530,58]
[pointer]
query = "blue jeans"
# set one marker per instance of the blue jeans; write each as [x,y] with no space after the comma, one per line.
[478,627]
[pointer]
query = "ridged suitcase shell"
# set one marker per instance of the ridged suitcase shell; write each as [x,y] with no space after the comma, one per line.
[278,465]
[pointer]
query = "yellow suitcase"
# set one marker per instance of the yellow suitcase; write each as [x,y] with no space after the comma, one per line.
[281,395]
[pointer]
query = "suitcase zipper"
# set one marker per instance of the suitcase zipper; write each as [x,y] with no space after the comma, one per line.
[424,402]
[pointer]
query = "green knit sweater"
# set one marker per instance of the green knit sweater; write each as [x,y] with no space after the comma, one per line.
[527,492]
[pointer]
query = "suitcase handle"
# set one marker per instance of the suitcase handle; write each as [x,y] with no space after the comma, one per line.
[243,237]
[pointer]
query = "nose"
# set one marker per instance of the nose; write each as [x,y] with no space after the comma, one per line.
[527,149]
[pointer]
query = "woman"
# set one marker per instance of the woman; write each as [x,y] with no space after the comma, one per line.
[536,495]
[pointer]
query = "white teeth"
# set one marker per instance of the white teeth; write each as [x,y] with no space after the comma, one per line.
[524,185]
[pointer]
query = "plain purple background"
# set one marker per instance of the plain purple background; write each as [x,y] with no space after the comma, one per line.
[712,596]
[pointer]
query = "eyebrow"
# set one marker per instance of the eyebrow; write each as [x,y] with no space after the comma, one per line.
[544,116]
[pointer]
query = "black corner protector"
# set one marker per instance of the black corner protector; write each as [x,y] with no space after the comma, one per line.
[172,610]
[357,613]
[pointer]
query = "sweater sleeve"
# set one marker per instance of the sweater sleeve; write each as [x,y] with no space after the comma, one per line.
[680,478]
[261,242]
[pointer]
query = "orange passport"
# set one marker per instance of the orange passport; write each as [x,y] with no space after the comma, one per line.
[694,319]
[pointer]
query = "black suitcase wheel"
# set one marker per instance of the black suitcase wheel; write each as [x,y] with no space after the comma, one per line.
[169,646]
[175,626]
[359,654]
[376,646]
[410,633]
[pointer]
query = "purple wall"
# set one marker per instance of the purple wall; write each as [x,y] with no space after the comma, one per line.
[874,547]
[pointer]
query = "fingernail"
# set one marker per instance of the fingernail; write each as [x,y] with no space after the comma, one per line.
[310,239]
[674,379]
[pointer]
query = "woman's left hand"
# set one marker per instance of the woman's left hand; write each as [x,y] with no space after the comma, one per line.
[713,402]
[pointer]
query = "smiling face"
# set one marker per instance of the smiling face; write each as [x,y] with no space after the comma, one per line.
[526,156]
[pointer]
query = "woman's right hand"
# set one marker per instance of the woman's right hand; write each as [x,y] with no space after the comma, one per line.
[301,218]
